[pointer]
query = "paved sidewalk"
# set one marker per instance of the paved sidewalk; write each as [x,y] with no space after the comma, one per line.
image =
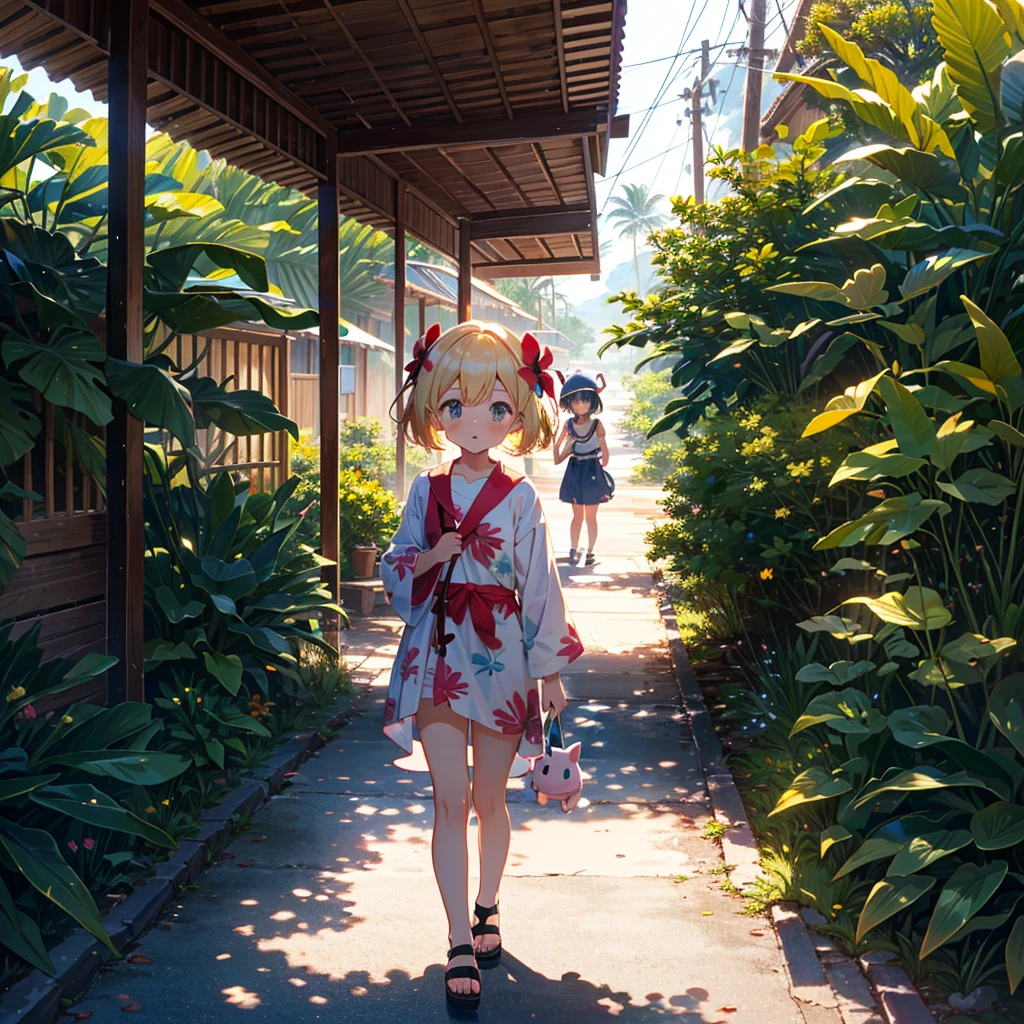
[339,918]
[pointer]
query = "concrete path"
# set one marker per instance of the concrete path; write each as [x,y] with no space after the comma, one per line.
[339,918]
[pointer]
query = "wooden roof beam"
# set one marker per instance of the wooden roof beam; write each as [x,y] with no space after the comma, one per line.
[425,50]
[556,6]
[532,268]
[533,222]
[472,134]
[485,32]
[212,38]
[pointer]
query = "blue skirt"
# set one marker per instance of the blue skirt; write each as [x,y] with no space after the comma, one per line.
[586,482]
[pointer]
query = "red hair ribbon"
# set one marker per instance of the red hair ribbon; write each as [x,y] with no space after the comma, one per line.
[421,353]
[536,361]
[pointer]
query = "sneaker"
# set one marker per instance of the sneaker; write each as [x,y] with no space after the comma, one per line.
[574,556]
[590,560]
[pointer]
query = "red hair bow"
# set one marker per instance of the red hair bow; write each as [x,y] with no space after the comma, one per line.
[536,361]
[421,353]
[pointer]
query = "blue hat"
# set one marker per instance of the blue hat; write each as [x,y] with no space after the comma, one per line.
[577,382]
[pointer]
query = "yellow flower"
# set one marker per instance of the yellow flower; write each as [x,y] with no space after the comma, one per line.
[188,689]
[67,720]
[782,513]
[757,484]
[166,801]
[151,809]
[825,460]
[799,469]
[767,574]
[837,906]
[177,700]
[17,692]
[751,421]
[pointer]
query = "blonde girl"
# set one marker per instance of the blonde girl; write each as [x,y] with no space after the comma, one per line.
[472,573]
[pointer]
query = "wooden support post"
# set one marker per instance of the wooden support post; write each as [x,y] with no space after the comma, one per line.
[696,118]
[284,401]
[423,316]
[465,295]
[126,155]
[330,373]
[399,334]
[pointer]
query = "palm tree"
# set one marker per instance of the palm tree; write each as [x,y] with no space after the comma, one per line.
[635,213]
[530,293]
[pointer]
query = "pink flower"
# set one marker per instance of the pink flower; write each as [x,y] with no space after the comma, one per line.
[513,721]
[448,685]
[485,542]
[534,726]
[573,645]
[389,710]
[27,713]
[408,668]
[88,843]
[72,846]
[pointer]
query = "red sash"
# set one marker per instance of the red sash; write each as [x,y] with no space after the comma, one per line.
[440,515]
[481,600]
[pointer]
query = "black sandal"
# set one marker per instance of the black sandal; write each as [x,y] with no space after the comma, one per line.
[481,914]
[456,1000]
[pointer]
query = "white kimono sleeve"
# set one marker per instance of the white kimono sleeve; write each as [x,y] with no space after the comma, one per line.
[549,635]
[399,561]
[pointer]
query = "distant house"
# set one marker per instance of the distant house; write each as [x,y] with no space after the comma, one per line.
[791,107]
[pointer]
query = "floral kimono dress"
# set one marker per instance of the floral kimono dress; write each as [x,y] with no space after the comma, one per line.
[505,621]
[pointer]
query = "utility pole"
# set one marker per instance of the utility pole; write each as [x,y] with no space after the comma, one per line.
[697,112]
[755,66]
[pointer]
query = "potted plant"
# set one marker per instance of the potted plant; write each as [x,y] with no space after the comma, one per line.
[368,518]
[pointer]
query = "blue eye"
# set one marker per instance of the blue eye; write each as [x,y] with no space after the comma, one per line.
[499,411]
[565,774]
[454,407]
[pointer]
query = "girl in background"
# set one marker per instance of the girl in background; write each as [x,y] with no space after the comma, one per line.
[586,483]
[472,573]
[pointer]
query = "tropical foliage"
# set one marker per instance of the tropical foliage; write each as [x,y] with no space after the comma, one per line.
[635,214]
[891,719]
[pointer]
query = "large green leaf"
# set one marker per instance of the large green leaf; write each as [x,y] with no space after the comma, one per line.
[876,462]
[975,44]
[920,608]
[934,269]
[889,897]
[236,718]
[174,610]
[913,427]
[232,579]
[926,849]
[18,426]
[226,669]
[846,711]
[1015,955]
[34,854]
[20,140]
[154,396]
[969,889]
[998,826]
[873,848]
[175,263]
[809,786]
[842,406]
[981,486]
[64,369]
[85,802]
[21,934]
[143,768]
[12,546]
[913,780]
[1006,709]
[919,726]
[238,412]
[996,353]
[925,171]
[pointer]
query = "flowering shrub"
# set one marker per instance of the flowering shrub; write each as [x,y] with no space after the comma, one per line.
[746,499]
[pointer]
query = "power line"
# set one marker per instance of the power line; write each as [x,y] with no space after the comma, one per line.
[681,53]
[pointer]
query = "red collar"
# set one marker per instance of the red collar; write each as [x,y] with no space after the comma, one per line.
[499,485]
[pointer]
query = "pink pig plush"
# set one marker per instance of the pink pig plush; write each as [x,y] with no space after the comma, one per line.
[556,776]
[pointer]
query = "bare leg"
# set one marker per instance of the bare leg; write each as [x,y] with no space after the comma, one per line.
[577,526]
[493,753]
[444,735]
[591,514]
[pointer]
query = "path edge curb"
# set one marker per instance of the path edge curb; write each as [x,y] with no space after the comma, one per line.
[739,847]
[37,998]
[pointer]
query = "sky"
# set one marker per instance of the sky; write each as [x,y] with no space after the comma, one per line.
[657,153]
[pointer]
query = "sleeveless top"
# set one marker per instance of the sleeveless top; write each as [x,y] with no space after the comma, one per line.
[585,446]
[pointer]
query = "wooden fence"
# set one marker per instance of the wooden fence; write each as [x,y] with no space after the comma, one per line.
[256,361]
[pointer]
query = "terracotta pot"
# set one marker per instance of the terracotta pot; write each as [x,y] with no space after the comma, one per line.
[362,561]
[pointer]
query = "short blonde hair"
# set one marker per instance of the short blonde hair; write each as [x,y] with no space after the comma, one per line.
[475,356]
